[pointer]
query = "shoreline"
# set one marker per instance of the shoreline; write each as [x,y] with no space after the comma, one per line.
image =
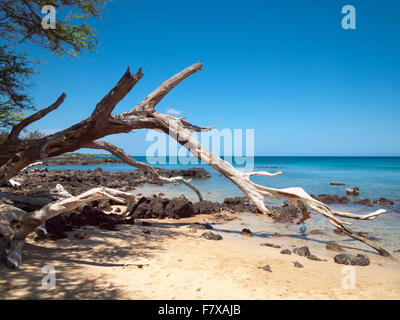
[172,261]
[169,260]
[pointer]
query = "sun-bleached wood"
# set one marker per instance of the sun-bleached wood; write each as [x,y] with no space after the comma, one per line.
[18,223]
[101,123]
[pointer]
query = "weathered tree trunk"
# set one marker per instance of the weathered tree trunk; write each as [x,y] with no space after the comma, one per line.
[16,154]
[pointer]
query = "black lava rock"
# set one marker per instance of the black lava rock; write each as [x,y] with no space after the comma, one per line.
[348,259]
[266,268]
[302,251]
[211,236]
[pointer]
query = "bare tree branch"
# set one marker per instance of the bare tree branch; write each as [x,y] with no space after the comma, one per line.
[121,154]
[14,156]
[148,104]
[16,130]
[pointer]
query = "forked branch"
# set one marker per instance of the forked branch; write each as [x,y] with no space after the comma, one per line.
[102,123]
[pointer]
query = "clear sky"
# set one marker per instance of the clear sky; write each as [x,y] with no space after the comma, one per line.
[287,69]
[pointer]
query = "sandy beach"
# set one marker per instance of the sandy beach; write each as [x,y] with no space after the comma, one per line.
[169,260]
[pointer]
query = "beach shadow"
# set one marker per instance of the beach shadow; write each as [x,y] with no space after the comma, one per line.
[128,247]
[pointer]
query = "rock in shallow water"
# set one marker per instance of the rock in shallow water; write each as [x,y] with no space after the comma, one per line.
[384,202]
[329,199]
[365,202]
[335,183]
[348,259]
[286,251]
[246,232]
[353,191]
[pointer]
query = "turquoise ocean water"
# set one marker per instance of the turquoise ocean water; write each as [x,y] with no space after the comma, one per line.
[375,176]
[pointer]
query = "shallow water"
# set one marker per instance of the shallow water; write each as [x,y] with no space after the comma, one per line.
[375,176]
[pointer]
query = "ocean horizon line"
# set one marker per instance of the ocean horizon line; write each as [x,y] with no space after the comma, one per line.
[275,156]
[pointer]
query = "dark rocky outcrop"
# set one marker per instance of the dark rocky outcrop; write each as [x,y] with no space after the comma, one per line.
[38,182]
[238,204]
[68,221]
[80,160]
[156,207]
[199,173]
[206,207]
[178,208]
[348,259]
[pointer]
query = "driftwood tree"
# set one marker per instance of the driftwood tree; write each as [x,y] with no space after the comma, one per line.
[17,154]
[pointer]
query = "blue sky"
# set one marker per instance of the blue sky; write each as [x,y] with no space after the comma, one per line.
[286,69]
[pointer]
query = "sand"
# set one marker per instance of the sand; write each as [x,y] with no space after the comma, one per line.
[173,262]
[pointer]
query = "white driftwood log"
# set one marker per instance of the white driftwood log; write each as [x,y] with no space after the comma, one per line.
[16,224]
[54,208]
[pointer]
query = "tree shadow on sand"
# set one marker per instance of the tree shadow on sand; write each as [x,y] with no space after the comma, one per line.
[130,246]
